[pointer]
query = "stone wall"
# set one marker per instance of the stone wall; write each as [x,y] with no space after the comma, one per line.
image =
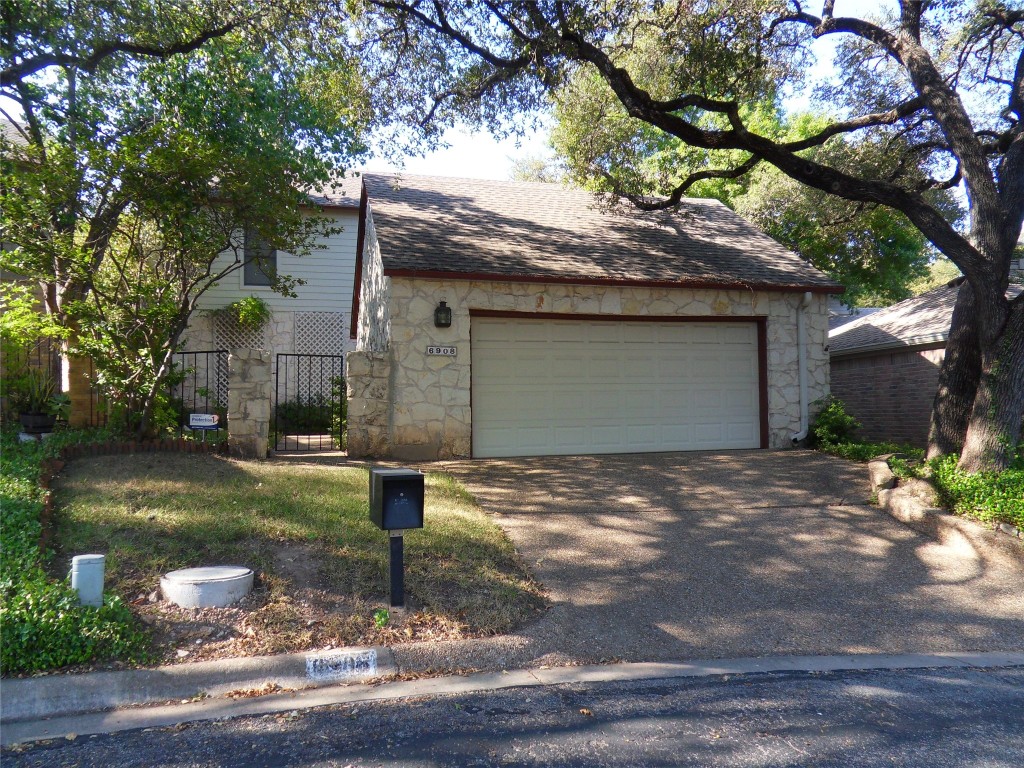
[890,393]
[430,414]
[250,386]
[368,379]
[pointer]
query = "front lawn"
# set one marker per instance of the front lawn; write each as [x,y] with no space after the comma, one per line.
[305,530]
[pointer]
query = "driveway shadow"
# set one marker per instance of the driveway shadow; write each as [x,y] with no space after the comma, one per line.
[699,555]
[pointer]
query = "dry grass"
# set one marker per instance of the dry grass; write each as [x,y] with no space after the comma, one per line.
[321,564]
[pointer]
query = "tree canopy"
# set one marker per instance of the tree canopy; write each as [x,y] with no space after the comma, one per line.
[150,142]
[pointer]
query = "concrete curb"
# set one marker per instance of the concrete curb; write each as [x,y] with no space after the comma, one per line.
[54,695]
[218,709]
[912,503]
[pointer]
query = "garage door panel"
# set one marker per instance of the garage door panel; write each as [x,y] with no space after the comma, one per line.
[738,333]
[640,333]
[544,387]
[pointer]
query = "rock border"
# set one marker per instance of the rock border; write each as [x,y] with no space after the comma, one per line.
[914,503]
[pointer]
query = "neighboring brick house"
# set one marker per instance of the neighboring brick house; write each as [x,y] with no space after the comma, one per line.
[573,329]
[885,366]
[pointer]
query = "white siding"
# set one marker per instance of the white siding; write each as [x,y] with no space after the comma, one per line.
[328,273]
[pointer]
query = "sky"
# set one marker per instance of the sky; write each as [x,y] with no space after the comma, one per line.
[476,155]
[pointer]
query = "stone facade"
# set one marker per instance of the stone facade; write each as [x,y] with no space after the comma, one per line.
[428,400]
[250,386]
[369,408]
[890,392]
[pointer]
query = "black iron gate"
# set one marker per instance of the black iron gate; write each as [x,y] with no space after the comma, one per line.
[201,387]
[309,403]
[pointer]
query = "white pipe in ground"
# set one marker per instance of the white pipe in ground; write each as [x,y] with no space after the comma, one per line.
[87,578]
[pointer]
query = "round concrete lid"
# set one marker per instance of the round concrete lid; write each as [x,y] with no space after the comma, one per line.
[208,574]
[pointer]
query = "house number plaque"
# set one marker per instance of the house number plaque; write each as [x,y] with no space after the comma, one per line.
[444,351]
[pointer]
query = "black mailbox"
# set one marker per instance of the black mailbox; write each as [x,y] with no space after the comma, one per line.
[396,498]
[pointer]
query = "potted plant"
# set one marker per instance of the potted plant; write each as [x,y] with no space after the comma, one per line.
[34,402]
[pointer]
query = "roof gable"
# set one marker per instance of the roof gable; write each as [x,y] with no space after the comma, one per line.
[469,228]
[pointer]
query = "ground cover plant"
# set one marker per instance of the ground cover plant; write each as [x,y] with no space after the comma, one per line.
[41,624]
[305,530]
[987,496]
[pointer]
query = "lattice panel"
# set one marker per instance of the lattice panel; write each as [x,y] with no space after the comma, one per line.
[319,333]
[230,335]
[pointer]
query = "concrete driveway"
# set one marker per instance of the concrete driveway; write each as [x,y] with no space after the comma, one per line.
[698,555]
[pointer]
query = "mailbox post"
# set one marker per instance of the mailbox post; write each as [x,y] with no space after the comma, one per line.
[396,504]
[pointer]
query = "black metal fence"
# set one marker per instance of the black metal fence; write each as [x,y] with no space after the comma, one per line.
[201,387]
[309,402]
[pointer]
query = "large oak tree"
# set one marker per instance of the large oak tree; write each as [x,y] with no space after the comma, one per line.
[937,85]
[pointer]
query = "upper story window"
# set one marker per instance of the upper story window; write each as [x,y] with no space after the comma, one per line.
[260,260]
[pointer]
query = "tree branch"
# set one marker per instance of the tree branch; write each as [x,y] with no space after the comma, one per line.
[15,73]
[647,204]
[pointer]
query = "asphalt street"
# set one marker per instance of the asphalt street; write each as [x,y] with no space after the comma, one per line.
[934,718]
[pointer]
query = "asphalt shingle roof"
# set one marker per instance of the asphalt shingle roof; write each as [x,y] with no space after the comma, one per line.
[915,321]
[918,320]
[11,133]
[342,192]
[429,225]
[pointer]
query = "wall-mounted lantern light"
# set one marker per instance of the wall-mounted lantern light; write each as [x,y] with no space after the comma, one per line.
[443,316]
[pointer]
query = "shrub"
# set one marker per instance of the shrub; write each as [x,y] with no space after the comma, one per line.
[339,422]
[308,415]
[250,312]
[833,425]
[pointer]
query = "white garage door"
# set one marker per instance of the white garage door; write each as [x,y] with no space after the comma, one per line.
[550,387]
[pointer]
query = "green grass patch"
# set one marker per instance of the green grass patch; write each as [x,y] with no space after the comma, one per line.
[864,451]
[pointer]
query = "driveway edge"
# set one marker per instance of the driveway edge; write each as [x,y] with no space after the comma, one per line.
[55,695]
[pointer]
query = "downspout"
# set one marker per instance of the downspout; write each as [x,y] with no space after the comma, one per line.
[801,351]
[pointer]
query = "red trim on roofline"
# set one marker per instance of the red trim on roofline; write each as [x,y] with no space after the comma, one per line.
[357,281]
[502,278]
[612,318]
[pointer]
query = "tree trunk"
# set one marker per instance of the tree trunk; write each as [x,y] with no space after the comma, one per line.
[995,427]
[958,379]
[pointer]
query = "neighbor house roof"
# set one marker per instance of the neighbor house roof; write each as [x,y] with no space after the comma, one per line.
[12,133]
[917,321]
[430,226]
